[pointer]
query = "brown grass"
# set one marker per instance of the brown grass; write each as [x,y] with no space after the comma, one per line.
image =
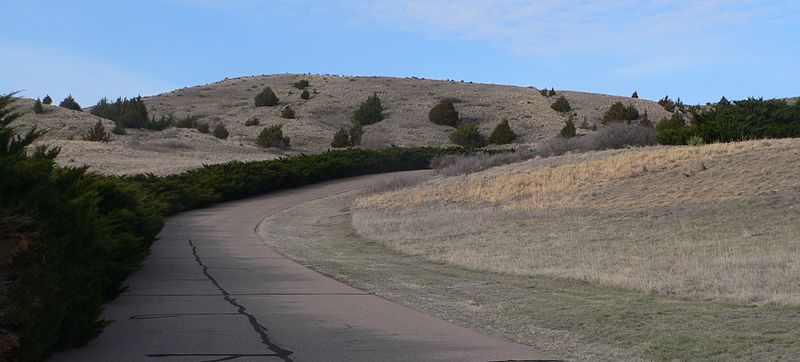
[716,221]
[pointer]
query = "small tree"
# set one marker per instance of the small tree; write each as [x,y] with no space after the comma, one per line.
[272,136]
[70,103]
[221,132]
[502,134]
[544,92]
[672,130]
[47,100]
[288,112]
[301,84]
[356,131]
[97,133]
[37,107]
[340,139]
[305,94]
[468,135]
[568,131]
[118,129]
[618,112]
[444,113]
[370,111]
[266,98]
[561,105]
[635,95]
[551,93]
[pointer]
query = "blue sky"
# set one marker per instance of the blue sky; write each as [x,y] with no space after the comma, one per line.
[695,50]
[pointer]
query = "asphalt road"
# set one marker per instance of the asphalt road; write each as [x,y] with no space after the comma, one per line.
[213,291]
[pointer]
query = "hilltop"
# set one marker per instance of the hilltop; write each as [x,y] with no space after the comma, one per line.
[332,100]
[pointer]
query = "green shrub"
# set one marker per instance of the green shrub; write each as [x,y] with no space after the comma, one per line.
[189,121]
[341,139]
[551,93]
[266,98]
[203,128]
[70,103]
[118,129]
[37,107]
[370,111]
[253,121]
[305,94]
[561,105]
[131,113]
[356,131]
[301,84]
[746,119]
[161,124]
[97,133]
[502,134]
[635,95]
[670,105]
[444,113]
[288,112]
[47,100]
[468,135]
[272,136]
[544,92]
[568,131]
[220,131]
[618,112]
[672,130]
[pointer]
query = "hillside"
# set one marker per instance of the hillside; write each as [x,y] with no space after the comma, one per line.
[663,220]
[406,102]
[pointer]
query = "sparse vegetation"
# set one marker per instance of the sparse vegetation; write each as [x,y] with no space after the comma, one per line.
[468,135]
[288,113]
[221,132]
[454,165]
[670,105]
[444,113]
[561,105]
[613,136]
[370,111]
[502,134]
[356,131]
[266,98]
[341,139]
[190,121]
[272,136]
[97,133]
[304,95]
[618,112]
[70,103]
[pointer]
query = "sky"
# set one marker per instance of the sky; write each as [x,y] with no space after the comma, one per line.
[696,50]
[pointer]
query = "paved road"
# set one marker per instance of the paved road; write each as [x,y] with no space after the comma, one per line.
[213,291]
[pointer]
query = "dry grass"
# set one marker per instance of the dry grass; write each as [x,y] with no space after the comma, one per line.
[716,221]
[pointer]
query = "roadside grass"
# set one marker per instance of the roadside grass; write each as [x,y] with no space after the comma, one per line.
[567,317]
[715,222]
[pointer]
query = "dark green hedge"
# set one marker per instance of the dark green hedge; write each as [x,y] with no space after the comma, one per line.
[87,232]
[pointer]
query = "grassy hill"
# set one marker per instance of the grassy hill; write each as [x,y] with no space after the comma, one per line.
[332,100]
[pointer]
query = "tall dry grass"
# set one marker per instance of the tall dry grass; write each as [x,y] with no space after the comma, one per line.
[716,221]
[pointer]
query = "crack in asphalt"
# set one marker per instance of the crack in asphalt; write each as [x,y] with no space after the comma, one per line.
[257,327]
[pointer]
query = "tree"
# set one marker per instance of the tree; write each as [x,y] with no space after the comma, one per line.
[370,111]
[220,131]
[305,94]
[635,95]
[618,112]
[544,92]
[551,93]
[502,134]
[301,84]
[37,107]
[131,113]
[444,113]
[97,133]
[266,98]
[568,131]
[672,130]
[272,136]
[287,112]
[70,103]
[468,135]
[341,139]
[356,131]
[47,100]
[561,105]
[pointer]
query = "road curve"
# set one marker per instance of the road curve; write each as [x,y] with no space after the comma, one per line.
[213,291]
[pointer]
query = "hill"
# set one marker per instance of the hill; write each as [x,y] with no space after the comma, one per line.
[332,100]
